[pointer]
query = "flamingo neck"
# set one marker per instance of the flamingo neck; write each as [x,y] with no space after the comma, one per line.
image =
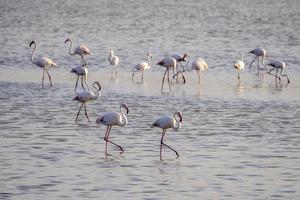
[177,124]
[148,60]
[242,57]
[32,54]
[71,44]
[187,63]
[124,118]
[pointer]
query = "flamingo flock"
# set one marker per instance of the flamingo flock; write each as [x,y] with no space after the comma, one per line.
[169,63]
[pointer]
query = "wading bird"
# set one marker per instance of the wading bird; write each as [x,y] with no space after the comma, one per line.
[258,52]
[199,65]
[114,61]
[142,66]
[168,63]
[165,123]
[85,96]
[179,59]
[278,65]
[83,72]
[42,62]
[239,65]
[81,50]
[113,119]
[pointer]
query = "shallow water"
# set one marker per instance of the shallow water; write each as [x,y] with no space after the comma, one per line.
[235,142]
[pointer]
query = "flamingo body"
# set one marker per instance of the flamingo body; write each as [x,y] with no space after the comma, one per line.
[142,66]
[80,50]
[42,62]
[85,96]
[258,52]
[168,63]
[113,119]
[165,123]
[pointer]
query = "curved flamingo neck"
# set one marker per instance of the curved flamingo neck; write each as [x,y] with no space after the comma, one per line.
[124,118]
[148,60]
[71,44]
[33,51]
[177,124]
[187,63]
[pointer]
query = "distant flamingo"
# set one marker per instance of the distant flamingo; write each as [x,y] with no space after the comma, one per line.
[142,66]
[199,65]
[165,123]
[85,96]
[179,59]
[258,52]
[239,65]
[113,119]
[168,63]
[42,62]
[81,50]
[114,61]
[83,72]
[278,65]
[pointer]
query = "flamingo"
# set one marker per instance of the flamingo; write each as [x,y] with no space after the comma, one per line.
[199,65]
[167,62]
[81,50]
[42,62]
[85,96]
[180,59]
[142,66]
[165,123]
[239,65]
[258,52]
[83,72]
[278,65]
[114,61]
[113,119]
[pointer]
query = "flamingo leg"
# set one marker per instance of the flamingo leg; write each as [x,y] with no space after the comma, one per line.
[258,65]
[82,83]
[107,140]
[163,80]
[78,112]
[199,81]
[282,74]
[183,77]
[49,77]
[142,76]
[169,80]
[276,76]
[132,75]
[76,83]
[86,113]
[162,143]
[43,77]
[252,63]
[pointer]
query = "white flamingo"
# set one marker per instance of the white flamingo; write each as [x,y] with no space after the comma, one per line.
[168,63]
[258,52]
[113,119]
[81,50]
[142,66]
[85,96]
[114,61]
[199,65]
[42,62]
[239,65]
[165,123]
[179,59]
[82,72]
[278,65]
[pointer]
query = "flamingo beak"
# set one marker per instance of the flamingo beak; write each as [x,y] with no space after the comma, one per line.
[31,43]
[67,40]
[98,120]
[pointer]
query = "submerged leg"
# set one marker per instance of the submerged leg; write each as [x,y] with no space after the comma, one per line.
[107,140]
[162,143]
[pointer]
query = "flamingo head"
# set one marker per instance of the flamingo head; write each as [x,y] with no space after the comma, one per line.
[124,105]
[31,43]
[149,55]
[99,120]
[67,40]
[179,114]
[185,56]
[96,83]
[160,63]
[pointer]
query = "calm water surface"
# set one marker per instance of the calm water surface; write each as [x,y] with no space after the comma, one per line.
[235,142]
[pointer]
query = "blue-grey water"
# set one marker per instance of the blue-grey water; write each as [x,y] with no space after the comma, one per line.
[236,142]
